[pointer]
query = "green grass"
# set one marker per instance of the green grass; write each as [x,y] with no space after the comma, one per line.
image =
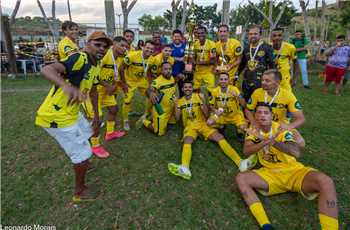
[137,191]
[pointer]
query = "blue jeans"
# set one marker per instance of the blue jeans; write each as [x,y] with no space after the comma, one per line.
[303,69]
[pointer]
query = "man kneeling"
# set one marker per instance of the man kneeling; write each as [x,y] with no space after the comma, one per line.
[280,172]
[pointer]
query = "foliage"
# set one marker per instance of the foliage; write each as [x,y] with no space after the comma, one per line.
[150,23]
[30,23]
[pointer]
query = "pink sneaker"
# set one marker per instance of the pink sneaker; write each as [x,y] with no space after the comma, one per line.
[114,135]
[100,152]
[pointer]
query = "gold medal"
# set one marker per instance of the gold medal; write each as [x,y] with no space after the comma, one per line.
[252,64]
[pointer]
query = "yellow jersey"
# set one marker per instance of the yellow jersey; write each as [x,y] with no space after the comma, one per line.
[283,102]
[167,88]
[270,157]
[204,53]
[230,51]
[226,100]
[66,47]
[191,110]
[54,111]
[155,63]
[284,56]
[137,66]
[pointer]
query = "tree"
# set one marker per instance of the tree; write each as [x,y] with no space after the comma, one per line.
[14,12]
[323,21]
[174,7]
[49,23]
[126,8]
[303,6]
[269,18]
[150,23]
[185,5]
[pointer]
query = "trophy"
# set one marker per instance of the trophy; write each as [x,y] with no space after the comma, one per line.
[189,53]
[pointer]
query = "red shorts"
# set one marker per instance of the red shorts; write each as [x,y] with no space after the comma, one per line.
[334,74]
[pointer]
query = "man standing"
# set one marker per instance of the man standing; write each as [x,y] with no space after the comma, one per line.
[156,35]
[205,60]
[68,44]
[194,113]
[257,57]
[300,42]
[283,55]
[281,172]
[133,74]
[107,88]
[229,51]
[338,63]
[73,78]
[178,53]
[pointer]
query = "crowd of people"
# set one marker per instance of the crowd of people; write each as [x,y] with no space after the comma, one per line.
[199,84]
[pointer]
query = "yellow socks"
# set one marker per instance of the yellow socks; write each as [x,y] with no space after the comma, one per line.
[328,223]
[110,126]
[146,123]
[229,151]
[259,213]
[186,155]
[126,110]
[95,141]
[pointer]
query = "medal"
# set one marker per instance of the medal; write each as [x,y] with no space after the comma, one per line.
[273,98]
[144,65]
[189,109]
[252,64]
[115,67]
[266,148]
[223,100]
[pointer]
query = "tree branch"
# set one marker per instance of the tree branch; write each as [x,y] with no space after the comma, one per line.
[132,4]
[284,4]
[14,12]
[261,12]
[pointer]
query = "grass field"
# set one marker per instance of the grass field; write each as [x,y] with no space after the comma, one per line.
[137,191]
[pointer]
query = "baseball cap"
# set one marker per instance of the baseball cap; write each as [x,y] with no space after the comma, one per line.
[100,35]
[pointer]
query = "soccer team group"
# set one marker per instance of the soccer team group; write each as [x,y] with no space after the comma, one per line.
[170,78]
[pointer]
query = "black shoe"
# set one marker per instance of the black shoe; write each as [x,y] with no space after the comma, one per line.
[307,87]
[267,227]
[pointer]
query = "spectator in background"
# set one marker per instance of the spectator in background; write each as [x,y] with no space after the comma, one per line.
[129,35]
[68,44]
[140,44]
[300,42]
[156,41]
[338,63]
[178,53]
[163,40]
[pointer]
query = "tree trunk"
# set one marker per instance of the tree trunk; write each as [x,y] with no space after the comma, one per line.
[69,12]
[5,27]
[316,20]
[303,6]
[126,10]
[225,19]
[55,38]
[184,15]
[323,21]
[174,7]
[110,18]
[14,12]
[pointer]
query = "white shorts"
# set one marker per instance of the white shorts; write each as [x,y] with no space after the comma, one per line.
[74,140]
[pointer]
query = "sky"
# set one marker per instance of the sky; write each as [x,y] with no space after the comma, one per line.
[92,11]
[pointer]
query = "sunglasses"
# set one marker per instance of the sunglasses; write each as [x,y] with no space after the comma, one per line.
[99,45]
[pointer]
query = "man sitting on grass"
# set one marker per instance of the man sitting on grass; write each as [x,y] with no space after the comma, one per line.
[194,113]
[73,78]
[281,172]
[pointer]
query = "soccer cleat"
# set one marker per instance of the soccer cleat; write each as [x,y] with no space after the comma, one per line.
[100,152]
[249,163]
[126,125]
[179,170]
[114,135]
[87,197]
[267,227]
[139,122]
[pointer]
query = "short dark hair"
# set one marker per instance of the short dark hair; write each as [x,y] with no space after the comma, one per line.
[224,25]
[225,73]
[257,27]
[200,27]
[68,25]
[298,31]
[128,31]
[156,32]
[164,63]
[278,29]
[341,36]
[187,81]
[264,105]
[275,72]
[119,39]
[166,46]
[149,41]
[177,32]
